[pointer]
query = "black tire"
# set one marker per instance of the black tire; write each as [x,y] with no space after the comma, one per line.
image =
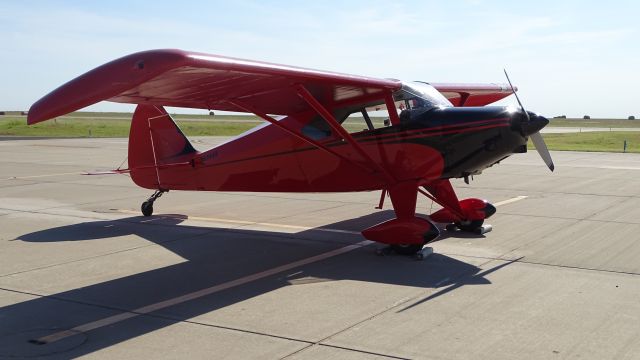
[470,226]
[407,249]
[147,208]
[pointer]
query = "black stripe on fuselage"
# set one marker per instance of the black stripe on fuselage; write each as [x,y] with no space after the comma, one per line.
[408,135]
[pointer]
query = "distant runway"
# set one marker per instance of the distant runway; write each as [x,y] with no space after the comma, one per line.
[273,275]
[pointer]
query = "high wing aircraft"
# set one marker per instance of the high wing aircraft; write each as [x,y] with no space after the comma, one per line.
[444,131]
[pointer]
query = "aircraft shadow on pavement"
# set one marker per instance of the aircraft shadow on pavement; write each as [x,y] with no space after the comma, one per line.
[211,256]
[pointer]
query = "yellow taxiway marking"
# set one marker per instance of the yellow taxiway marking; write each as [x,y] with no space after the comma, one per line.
[294,227]
[227,285]
[196,294]
[255,223]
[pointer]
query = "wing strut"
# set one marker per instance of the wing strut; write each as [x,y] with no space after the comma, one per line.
[276,123]
[391,108]
[331,120]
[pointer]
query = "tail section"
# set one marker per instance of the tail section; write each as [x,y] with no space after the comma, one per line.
[159,153]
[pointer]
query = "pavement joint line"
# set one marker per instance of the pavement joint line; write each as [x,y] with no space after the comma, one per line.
[40,176]
[187,297]
[549,192]
[318,343]
[297,227]
[75,206]
[375,315]
[192,322]
[362,352]
[126,221]
[329,345]
[308,212]
[612,206]
[298,199]
[40,182]
[160,243]
[500,258]
[282,337]
[577,267]
[197,294]
[575,219]
[204,233]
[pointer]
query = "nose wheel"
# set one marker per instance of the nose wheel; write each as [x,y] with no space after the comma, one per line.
[147,206]
[476,226]
[418,251]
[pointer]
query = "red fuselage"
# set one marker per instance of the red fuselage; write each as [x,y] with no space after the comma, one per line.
[451,142]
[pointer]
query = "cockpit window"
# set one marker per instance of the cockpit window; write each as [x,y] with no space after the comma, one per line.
[417,98]
[420,95]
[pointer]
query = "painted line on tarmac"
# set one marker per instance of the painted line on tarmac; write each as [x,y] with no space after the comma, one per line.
[606,167]
[509,201]
[254,223]
[217,288]
[195,295]
[292,227]
[40,176]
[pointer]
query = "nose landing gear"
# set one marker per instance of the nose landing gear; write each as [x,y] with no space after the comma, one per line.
[147,206]
[475,226]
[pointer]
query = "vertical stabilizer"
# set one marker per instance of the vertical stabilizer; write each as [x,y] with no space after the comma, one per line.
[159,153]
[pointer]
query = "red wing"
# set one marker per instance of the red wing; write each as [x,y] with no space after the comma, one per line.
[195,80]
[473,94]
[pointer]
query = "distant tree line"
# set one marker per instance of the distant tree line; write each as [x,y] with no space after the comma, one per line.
[587,117]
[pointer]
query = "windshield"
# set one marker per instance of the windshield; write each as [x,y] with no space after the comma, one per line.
[420,95]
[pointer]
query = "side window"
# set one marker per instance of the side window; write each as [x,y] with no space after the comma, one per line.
[317,129]
[358,124]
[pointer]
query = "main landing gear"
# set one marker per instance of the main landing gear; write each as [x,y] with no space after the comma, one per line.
[409,234]
[147,206]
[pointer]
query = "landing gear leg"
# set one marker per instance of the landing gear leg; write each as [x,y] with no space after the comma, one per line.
[147,206]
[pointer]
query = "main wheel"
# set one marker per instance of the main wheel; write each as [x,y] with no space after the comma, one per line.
[470,226]
[147,208]
[407,249]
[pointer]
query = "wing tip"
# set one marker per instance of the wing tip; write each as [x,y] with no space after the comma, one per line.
[104,82]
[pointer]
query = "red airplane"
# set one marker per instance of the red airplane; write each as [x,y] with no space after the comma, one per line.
[444,131]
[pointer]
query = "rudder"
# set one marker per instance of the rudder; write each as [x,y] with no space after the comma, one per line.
[159,153]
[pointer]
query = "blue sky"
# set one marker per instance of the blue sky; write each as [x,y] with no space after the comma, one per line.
[566,57]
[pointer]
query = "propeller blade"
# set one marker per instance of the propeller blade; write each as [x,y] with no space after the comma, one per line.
[541,147]
[513,90]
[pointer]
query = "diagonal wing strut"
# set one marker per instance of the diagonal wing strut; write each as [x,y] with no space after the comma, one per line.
[331,120]
[248,108]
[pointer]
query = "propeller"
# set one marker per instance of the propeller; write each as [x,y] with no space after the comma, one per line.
[536,137]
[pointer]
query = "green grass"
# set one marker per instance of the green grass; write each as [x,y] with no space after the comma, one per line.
[117,125]
[607,141]
[91,127]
